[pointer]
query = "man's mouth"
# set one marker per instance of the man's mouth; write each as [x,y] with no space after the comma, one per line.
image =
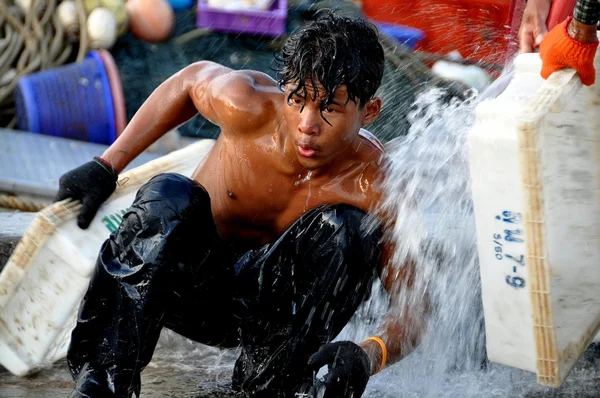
[306,150]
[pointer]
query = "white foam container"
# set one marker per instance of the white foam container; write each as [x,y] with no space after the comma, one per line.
[535,160]
[47,275]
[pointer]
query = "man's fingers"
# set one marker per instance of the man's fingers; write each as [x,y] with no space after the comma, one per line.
[323,390]
[88,211]
[526,39]
[334,386]
[62,195]
[526,44]
[541,17]
[539,38]
[322,357]
[539,32]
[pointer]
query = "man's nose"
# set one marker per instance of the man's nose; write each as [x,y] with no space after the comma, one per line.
[310,122]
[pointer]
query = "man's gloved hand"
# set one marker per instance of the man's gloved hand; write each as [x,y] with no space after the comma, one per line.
[349,370]
[91,183]
[558,51]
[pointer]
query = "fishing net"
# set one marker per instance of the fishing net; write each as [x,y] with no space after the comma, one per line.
[143,66]
[34,42]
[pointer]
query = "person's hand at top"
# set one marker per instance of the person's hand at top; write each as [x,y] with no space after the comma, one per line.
[533,25]
[573,43]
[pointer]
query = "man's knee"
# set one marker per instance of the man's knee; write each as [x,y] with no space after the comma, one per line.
[174,192]
[165,201]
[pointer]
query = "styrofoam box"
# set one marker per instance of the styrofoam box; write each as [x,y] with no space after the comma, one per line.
[48,273]
[534,159]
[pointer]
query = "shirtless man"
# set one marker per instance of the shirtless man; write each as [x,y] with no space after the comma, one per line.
[265,246]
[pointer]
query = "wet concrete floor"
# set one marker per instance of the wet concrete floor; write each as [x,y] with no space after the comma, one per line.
[183,369]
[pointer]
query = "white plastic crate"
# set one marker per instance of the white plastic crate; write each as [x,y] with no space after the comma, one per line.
[48,273]
[535,169]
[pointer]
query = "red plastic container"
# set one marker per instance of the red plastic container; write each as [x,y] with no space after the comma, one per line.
[560,10]
[270,22]
[478,29]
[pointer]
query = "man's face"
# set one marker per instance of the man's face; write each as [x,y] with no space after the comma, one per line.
[320,132]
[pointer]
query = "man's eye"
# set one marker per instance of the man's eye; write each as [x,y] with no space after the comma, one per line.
[297,101]
[329,110]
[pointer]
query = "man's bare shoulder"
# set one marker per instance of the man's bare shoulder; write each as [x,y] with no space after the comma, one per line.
[375,166]
[370,138]
[371,152]
[249,85]
[365,171]
[238,100]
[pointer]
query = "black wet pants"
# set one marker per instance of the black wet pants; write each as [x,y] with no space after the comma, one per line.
[167,266]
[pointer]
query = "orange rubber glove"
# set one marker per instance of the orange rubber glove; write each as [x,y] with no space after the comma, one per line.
[558,51]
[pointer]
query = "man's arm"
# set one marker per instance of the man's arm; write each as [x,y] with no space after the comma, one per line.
[169,106]
[402,326]
[585,18]
[174,102]
[587,12]
[350,365]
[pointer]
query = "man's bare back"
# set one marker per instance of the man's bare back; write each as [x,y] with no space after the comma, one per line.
[258,188]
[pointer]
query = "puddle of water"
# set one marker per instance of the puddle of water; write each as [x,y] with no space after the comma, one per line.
[180,368]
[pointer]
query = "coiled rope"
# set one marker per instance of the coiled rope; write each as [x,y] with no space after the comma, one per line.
[33,41]
[22,204]
[30,42]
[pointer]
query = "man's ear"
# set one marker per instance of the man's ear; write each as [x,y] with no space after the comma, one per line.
[371,111]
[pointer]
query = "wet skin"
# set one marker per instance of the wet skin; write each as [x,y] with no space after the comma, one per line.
[257,173]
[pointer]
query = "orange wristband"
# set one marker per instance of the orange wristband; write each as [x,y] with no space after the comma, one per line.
[383,351]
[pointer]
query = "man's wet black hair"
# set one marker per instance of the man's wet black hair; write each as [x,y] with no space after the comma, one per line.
[333,50]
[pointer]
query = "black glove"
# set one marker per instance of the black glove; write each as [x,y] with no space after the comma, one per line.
[91,183]
[349,370]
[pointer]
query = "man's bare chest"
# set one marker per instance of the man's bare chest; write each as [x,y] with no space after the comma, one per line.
[253,198]
[269,204]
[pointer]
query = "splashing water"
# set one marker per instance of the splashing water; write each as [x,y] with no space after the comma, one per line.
[302,180]
[427,193]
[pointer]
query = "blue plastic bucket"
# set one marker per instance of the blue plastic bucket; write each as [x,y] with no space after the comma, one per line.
[72,101]
[405,35]
[179,5]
